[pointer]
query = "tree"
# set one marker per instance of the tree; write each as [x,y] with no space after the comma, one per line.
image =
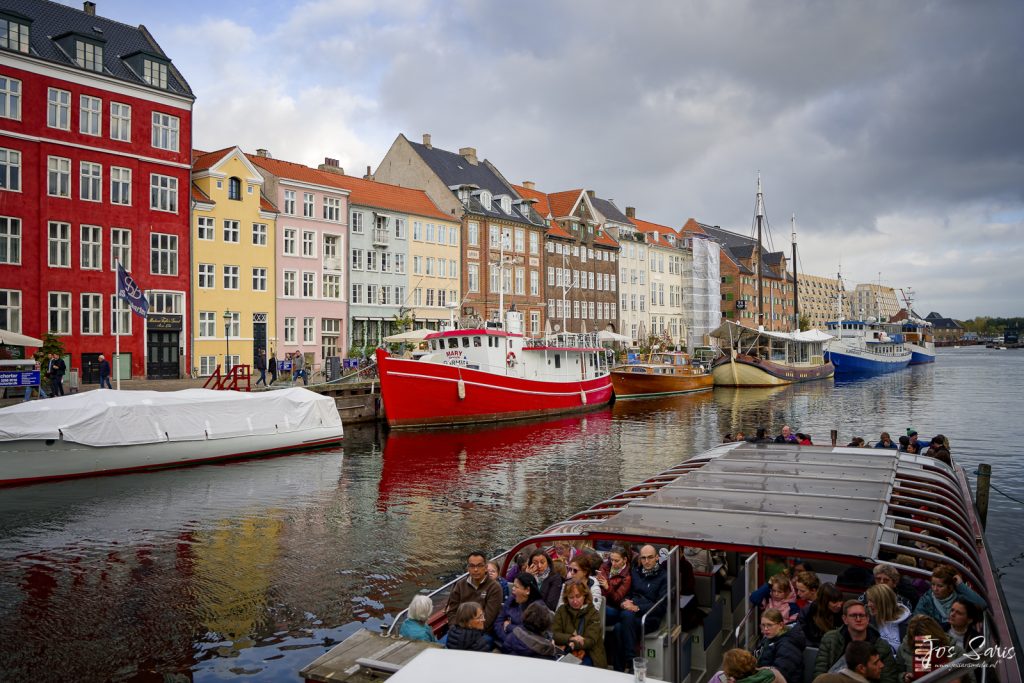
[51,344]
[804,323]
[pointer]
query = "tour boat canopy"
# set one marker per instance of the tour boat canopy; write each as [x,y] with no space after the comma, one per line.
[730,330]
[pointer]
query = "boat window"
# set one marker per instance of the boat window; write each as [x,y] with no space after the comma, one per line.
[465,342]
[453,342]
[680,360]
[558,360]
[476,342]
[667,360]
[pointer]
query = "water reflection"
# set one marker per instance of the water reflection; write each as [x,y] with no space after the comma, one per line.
[249,570]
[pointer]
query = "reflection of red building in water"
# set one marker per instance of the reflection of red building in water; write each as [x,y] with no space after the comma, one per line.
[426,463]
[95,144]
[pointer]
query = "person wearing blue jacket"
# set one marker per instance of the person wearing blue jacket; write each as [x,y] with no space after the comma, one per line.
[885,441]
[947,586]
[533,637]
[524,592]
[648,585]
[415,626]
[781,647]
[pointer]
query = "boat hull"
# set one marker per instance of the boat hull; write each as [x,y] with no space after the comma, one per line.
[36,460]
[919,355]
[866,364]
[745,371]
[420,394]
[629,384]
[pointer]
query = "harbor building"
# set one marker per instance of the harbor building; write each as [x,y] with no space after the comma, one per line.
[310,249]
[234,233]
[501,232]
[818,298]
[870,300]
[95,145]
[634,313]
[581,258]
[665,283]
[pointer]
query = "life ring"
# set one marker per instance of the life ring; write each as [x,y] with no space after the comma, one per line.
[510,359]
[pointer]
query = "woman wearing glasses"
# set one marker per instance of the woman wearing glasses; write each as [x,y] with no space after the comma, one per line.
[781,647]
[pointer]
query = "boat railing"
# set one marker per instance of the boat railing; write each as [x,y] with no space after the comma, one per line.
[442,592]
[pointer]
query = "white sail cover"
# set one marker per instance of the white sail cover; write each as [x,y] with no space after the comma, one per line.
[730,330]
[116,418]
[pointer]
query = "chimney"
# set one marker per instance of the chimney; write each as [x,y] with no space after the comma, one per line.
[590,193]
[426,141]
[630,212]
[470,154]
[89,8]
[331,166]
[529,184]
[369,175]
[262,153]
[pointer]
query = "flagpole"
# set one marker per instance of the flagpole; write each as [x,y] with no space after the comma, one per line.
[117,332]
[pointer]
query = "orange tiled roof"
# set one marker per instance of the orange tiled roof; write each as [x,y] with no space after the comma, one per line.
[200,196]
[202,161]
[562,203]
[647,228]
[267,205]
[541,206]
[361,192]
[603,238]
[557,230]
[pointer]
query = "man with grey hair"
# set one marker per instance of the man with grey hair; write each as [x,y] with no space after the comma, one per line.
[887,574]
[649,584]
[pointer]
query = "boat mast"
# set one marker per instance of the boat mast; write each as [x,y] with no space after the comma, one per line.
[759,212]
[839,299]
[796,299]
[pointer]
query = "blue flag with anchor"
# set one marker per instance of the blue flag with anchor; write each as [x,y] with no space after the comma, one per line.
[130,291]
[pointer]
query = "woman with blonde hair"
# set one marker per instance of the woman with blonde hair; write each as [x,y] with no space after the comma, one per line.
[922,626]
[888,615]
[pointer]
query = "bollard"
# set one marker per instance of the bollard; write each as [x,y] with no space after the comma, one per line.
[981,497]
[835,436]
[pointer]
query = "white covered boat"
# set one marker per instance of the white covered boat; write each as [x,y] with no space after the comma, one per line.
[104,432]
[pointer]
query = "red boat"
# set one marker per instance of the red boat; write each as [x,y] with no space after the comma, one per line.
[492,374]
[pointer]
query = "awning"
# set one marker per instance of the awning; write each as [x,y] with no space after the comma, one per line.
[15,339]
[410,336]
[608,335]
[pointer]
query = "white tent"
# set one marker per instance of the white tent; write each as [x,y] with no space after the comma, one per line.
[608,335]
[410,336]
[15,339]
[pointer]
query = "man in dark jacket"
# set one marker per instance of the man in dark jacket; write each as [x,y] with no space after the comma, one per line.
[57,370]
[855,628]
[862,665]
[104,367]
[648,585]
[478,587]
[261,365]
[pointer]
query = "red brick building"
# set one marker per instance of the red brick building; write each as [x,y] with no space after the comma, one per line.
[95,145]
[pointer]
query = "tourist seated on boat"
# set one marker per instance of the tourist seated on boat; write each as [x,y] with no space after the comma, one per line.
[615,580]
[920,445]
[740,436]
[583,569]
[923,626]
[533,637]
[577,627]
[941,454]
[885,441]
[524,592]
[494,571]
[803,439]
[947,586]
[778,594]
[964,624]
[856,442]
[648,585]
[518,564]
[920,585]
[862,663]
[888,575]
[548,582]
[887,615]
[415,626]
[761,436]
[728,438]
[739,666]
[805,585]
[781,646]
[906,446]
[786,436]
[822,615]
[467,633]
[478,587]
[855,627]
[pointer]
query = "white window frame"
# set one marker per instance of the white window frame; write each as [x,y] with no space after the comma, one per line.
[120,251]
[89,55]
[120,121]
[10,241]
[91,247]
[10,310]
[232,231]
[10,98]
[289,202]
[164,248]
[289,238]
[205,226]
[308,330]
[332,286]
[308,205]
[259,279]
[308,285]
[356,222]
[154,73]
[58,109]
[259,234]
[90,115]
[120,186]
[308,244]
[289,283]
[207,276]
[10,170]
[59,309]
[332,209]
[166,131]
[58,177]
[58,252]
[163,193]
[230,277]
[91,313]
[90,181]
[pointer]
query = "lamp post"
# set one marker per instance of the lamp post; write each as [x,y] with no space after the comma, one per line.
[227,339]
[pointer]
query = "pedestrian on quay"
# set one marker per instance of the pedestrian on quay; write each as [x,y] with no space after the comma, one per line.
[39,387]
[104,372]
[299,367]
[272,364]
[56,371]
[261,365]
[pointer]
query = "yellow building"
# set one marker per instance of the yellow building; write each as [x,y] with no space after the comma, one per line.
[234,283]
[818,298]
[436,266]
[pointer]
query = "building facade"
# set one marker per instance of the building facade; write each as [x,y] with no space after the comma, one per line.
[665,282]
[234,233]
[873,301]
[818,298]
[95,145]
[310,250]
[501,254]
[634,312]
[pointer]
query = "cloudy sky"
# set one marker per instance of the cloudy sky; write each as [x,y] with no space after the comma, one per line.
[893,130]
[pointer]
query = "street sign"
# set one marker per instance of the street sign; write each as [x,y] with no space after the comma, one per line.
[16,378]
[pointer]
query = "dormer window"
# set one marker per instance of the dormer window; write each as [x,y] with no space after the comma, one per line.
[485,199]
[506,204]
[464,195]
[89,55]
[154,73]
[235,189]
[13,34]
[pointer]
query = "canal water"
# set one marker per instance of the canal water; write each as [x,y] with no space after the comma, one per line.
[248,571]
